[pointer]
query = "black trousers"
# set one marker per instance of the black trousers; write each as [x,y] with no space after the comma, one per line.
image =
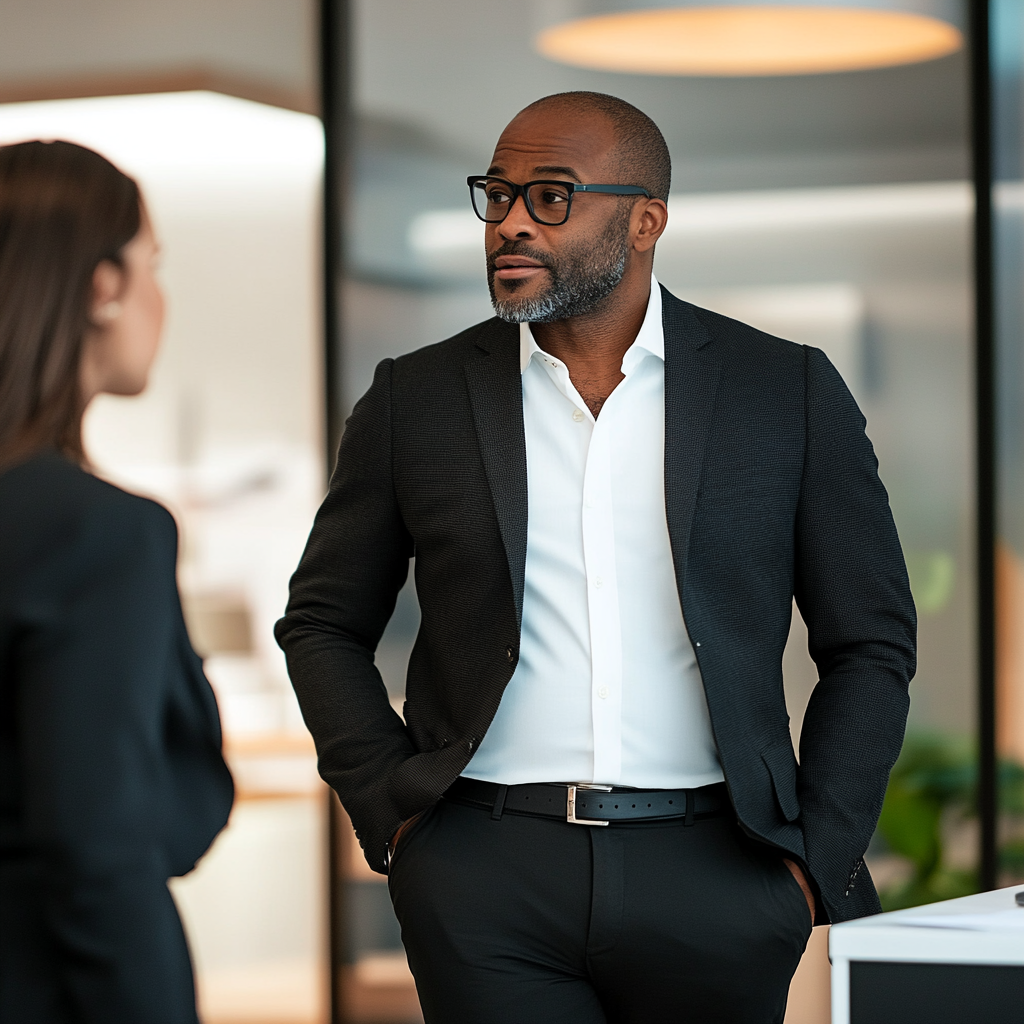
[526,919]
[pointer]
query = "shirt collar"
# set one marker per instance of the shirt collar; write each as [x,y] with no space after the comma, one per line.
[651,337]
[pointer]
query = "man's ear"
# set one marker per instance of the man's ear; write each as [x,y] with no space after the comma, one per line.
[649,221]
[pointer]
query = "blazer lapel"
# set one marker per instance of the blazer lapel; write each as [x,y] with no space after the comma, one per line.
[496,395]
[693,370]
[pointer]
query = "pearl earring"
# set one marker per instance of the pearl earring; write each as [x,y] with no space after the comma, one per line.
[110,311]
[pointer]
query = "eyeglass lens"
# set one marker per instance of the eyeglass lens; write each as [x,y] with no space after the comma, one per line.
[493,199]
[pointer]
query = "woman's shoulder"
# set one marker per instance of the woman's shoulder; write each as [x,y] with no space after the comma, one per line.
[50,502]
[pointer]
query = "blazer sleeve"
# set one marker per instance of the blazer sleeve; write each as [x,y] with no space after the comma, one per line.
[93,669]
[342,596]
[852,589]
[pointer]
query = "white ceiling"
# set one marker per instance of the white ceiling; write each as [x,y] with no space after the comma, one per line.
[271,41]
[458,70]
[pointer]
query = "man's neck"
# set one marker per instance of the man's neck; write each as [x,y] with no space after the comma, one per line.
[592,346]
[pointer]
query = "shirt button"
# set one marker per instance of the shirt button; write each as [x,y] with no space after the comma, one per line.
[598,582]
[577,415]
[602,692]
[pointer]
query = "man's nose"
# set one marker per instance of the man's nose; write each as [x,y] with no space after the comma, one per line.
[518,223]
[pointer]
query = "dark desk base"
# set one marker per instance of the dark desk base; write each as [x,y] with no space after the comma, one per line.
[883,992]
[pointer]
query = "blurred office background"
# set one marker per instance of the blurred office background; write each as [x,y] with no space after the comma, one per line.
[831,209]
[212,107]
[835,208]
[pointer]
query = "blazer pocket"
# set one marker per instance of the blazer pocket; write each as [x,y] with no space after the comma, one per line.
[781,765]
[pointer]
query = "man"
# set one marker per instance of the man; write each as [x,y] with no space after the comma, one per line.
[593,810]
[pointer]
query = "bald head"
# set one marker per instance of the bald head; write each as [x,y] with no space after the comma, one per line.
[640,152]
[599,256]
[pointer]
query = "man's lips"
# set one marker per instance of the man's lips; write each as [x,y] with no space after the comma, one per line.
[509,268]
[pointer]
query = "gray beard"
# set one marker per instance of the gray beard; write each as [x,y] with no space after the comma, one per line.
[584,276]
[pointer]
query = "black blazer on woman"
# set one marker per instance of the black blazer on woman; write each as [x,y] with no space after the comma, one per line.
[771,493]
[111,774]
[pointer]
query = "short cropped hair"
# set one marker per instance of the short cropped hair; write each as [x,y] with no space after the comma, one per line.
[643,153]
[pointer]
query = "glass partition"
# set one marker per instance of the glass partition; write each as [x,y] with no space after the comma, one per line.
[834,210]
[1007,84]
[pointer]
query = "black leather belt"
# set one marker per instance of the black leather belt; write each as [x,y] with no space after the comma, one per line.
[587,804]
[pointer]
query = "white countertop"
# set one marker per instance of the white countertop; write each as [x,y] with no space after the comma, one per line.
[973,929]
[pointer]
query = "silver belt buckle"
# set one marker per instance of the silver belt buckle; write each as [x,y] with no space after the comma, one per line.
[570,803]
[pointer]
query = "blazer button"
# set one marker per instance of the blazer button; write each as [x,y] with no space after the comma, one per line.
[510,653]
[471,745]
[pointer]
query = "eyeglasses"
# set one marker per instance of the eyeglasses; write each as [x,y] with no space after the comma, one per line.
[547,202]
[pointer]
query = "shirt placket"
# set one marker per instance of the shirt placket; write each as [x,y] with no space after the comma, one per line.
[603,606]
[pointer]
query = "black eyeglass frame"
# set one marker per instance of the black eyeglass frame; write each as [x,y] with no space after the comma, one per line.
[523,190]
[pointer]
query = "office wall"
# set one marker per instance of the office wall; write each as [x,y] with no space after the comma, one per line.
[229,435]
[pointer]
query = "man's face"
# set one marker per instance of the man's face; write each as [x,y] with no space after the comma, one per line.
[542,273]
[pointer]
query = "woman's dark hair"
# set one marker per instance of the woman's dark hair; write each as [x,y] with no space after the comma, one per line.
[63,210]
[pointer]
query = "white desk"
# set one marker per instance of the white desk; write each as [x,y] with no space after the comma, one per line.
[969,971]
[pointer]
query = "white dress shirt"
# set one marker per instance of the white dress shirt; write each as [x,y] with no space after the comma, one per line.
[607,688]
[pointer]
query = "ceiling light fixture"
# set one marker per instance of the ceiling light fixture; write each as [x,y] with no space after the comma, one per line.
[749,40]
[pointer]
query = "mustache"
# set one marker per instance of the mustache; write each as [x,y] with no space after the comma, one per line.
[518,249]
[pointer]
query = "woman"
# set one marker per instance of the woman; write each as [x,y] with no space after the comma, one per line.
[111,775]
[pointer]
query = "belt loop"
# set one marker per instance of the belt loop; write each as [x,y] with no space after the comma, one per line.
[499,802]
[688,820]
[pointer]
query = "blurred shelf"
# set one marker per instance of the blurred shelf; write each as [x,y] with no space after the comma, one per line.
[379,989]
[273,766]
[269,743]
[274,992]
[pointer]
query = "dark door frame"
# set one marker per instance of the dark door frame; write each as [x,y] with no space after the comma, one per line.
[985,435]
[335,111]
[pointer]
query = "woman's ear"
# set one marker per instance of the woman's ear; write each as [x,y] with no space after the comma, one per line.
[107,285]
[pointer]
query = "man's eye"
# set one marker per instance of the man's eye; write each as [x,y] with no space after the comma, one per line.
[551,198]
[497,197]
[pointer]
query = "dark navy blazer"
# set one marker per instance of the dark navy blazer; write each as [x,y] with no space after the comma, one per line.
[111,775]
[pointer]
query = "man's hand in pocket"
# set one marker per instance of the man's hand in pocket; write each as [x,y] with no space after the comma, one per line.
[795,870]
